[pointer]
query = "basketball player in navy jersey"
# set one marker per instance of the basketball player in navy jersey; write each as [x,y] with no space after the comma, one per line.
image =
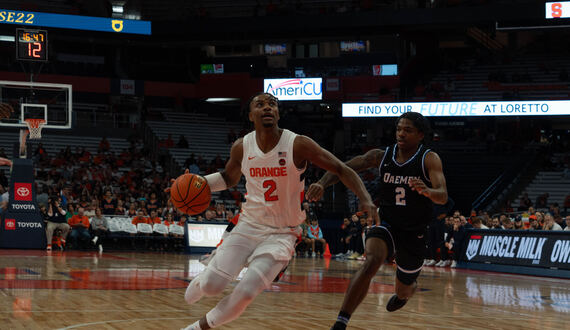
[273,161]
[412,180]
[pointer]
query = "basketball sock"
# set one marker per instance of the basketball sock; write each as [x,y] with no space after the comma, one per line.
[341,321]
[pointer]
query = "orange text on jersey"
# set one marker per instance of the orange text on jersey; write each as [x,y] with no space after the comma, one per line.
[267,171]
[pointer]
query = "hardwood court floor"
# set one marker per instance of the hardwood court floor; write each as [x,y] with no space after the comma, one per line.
[85,290]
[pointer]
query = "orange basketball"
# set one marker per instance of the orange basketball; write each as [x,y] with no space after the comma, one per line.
[190,193]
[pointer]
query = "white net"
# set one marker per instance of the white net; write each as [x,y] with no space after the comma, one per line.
[35,127]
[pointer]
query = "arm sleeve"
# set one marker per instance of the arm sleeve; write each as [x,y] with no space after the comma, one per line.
[320,233]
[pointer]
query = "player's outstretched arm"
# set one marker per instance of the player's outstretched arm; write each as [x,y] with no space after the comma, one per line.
[305,149]
[438,191]
[359,163]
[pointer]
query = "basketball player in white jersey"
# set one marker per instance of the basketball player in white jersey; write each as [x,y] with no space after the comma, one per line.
[273,161]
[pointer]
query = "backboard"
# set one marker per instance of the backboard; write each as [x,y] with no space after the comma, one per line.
[51,102]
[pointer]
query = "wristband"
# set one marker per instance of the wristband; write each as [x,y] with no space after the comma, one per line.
[216,182]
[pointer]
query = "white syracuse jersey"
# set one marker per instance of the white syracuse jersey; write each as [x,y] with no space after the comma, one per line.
[274,185]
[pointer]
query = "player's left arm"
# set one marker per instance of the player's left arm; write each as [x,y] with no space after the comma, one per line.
[438,191]
[305,149]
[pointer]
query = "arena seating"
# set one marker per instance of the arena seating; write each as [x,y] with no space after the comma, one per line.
[206,136]
[555,183]
[471,80]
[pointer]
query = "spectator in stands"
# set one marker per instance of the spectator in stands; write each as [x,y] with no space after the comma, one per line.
[99,228]
[40,153]
[506,223]
[343,236]
[120,210]
[153,218]
[43,196]
[495,224]
[539,218]
[525,202]
[56,220]
[436,229]
[518,223]
[477,223]
[315,235]
[132,212]
[542,201]
[108,203]
[182,142]
[168,142]
[560,221]
[304,241]
[220,212]
[567,221]
[79,224]
[549,223]
[70,211]
[153,203]
[444,251]
[354,240]
[104,145]
[140,218]
[209,215]
[454,242]
[66,196]
[533,223]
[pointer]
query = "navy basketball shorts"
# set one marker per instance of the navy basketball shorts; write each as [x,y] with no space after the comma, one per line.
[408,247]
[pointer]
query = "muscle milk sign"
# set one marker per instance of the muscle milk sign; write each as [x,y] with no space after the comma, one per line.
[294,88]
[549,249]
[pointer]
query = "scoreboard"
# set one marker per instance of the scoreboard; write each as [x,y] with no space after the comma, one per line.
[31,45]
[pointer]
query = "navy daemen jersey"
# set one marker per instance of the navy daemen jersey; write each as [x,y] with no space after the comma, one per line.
[400,206]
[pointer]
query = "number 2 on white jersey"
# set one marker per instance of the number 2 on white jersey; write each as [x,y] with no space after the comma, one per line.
[400,196]
[272,185]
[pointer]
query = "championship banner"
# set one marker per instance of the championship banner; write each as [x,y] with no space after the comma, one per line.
[541,248]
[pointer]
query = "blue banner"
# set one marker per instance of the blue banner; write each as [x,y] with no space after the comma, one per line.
[35,19]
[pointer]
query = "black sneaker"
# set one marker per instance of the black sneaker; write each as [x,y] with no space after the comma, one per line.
[395,303]
[278,277]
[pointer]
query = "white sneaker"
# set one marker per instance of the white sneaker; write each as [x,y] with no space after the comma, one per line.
[453,264]
[94,240]
[440,263]
[100,248]
[314,254]
[430,262]
[446,263]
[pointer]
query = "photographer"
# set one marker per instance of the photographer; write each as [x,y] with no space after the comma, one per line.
[56,220]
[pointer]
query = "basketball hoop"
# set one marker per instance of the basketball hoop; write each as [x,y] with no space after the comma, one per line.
[35,127]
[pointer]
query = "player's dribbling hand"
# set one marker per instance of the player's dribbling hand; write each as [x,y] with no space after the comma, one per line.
[5,110]
[371,212]
[167,190]
[419,186]
[315,192]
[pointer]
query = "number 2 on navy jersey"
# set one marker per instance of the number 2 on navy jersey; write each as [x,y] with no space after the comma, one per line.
[400,196]
[272,185]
